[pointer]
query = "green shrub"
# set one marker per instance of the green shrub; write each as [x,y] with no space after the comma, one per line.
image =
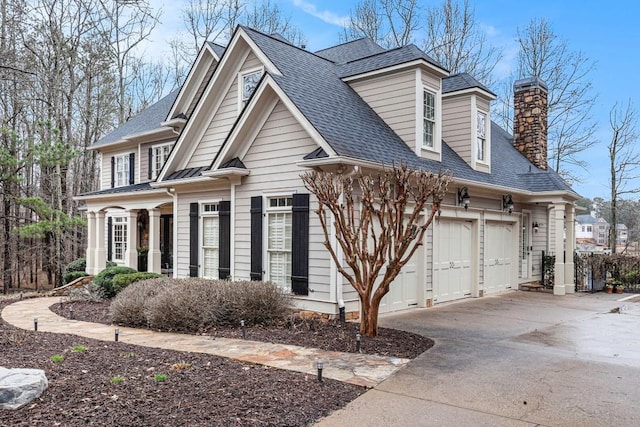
[128,307]
[104,279]
[73,275]
[193,305]
[111,264]
[121,281]
[78,265]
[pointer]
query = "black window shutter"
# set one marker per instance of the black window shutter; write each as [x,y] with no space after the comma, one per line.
[132,168]
[109,238]
[256,238]
[224,263]
[300,245]
[150,166]
[193,240]
[113,172]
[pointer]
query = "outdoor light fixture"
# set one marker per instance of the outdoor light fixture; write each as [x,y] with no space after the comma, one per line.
[71,315]
[35,324]
[117,334]
[244,330]
[358,341]
[535,227]
[320,365]
[507,203]
[463,197]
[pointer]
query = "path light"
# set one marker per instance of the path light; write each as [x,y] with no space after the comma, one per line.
[320,365]
[71,316]
[117,334]
[60,303]
[358,339]
[35,324]
[244,330]
[20,295]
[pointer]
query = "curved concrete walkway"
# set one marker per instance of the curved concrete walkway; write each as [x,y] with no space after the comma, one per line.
[360,369]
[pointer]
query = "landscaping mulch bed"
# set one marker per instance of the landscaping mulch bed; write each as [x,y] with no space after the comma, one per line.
[331,335]
[199,389]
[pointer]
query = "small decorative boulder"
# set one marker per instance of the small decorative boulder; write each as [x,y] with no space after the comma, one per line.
[20,386]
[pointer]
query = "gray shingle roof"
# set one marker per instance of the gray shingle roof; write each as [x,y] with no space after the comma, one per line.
[385,59]
[218,49]
[350,51]
[145,121]
[585,219]
[353,129]
[126,189]
[462,81]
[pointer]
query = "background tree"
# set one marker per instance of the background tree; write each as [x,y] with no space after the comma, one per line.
[379,222]
[455,40]
[567,75]
[624,159]
[390,23]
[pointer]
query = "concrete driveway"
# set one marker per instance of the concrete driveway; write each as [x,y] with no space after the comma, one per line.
[517,359]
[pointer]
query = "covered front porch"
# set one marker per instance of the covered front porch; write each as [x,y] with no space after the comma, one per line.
[134,233]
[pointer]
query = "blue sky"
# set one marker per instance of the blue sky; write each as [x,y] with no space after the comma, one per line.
[606,32]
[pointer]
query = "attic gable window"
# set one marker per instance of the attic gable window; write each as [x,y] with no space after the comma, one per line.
[481,137]
[429,119]
[249,83]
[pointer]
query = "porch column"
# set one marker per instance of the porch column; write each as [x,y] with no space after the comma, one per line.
[100,245]
[570,244]
[154,260]
[559,282]
[131,254]
[91,242]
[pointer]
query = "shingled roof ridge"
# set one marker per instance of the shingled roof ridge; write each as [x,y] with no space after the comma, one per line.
[384,52]
[345,43]
[285,42]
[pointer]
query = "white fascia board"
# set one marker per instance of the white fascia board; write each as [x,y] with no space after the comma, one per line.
[471,91]
[120,196]
[226,172]
[174,123]
[230,56]
[195,72]
[339,160]
[399,67]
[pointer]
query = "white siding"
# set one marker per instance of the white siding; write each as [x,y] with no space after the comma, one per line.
[222,122]
[181,225]
[393,97]
[271,159]
[456,125]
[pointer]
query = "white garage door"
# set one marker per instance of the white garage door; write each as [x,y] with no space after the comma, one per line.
[403,292]
[498,256]
[452,260]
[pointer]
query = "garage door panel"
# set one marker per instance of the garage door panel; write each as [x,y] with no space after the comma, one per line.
[498,256]
[452,260]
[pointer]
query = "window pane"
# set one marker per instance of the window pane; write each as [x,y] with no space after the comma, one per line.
[480,149]
[210,232]
[280,267]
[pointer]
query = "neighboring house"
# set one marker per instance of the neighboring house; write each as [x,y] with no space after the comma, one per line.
[208,179]
[594,233]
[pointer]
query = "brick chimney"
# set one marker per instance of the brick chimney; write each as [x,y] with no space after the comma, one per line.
[530,120]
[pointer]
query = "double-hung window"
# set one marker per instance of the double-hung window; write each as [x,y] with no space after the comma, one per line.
[210,239]
[119,237]
[279,232]
[160,154]
[481,136]
[429,119]
[121,173]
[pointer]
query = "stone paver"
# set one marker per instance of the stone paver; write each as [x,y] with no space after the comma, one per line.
[361,369]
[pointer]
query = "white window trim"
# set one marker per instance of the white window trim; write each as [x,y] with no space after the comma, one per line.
[122,220]
[155,173]
[241,75]
[487,134]
[437,131]
[201,215]
[265,229]
[125,163]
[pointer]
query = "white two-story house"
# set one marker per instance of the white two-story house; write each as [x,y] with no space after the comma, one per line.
[208,178]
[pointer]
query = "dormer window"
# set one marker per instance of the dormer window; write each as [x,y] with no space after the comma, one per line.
[481,137]
[249,84]
[429,119]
